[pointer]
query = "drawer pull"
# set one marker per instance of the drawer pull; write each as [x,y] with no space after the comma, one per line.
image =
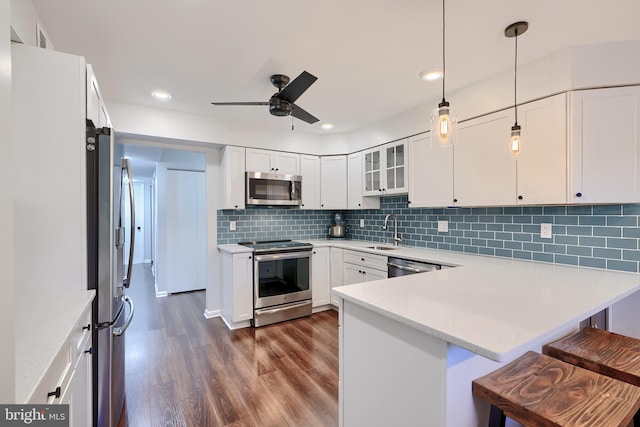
[87,328]
[55,393]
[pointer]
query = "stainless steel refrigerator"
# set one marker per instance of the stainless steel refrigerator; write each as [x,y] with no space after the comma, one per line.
[109,182]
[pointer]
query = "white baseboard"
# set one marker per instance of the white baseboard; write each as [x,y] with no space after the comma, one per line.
[210,314]
[236,325]
[160,294]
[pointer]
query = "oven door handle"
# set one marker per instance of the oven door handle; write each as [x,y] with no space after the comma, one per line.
[282,255]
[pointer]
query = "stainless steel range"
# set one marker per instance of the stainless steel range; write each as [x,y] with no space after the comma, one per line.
[281,280]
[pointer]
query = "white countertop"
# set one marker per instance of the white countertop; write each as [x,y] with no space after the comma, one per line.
[43,325]
[495,307]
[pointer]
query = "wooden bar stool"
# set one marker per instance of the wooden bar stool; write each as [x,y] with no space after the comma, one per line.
[607,353]
[600,351]
[538,390]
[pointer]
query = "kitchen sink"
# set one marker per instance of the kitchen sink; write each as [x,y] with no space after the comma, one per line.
[383,248]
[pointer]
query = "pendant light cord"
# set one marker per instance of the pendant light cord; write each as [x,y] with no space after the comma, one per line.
[515,78]
[444,75]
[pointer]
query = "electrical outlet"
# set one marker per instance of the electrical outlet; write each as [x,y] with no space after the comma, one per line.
[443,226]
[546,230]
[232,225]
[362,223]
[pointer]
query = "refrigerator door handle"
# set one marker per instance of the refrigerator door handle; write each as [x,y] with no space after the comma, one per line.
[126,166]
[120,330]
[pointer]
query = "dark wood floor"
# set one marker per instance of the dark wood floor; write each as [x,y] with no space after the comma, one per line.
[185,370]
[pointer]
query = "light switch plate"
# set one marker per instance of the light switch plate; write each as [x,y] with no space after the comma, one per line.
[546,230]
[232,225]
[443,226]
[362,223]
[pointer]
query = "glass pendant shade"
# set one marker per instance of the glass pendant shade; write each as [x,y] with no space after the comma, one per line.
[443,124]
[515,140]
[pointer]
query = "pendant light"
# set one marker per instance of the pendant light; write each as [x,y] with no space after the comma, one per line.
[513,31]
[443,122]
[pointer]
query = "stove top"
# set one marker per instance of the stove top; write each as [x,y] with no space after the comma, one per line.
[277,245]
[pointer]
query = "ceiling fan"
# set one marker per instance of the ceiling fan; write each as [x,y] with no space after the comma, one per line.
[282,103]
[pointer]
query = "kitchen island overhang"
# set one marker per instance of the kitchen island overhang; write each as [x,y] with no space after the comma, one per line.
[412,345]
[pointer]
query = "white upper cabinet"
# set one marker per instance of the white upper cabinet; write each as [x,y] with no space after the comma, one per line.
[333,187]
[272,161]
[233,177]
[310,172]
[385,169]
[484,169]
[542,161]
[605,150]
[356,200]
[96,108]
[430,173]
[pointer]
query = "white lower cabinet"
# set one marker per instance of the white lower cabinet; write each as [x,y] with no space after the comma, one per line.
[320,277]
[363,267]
[237,289]
[337,272]
[69,377]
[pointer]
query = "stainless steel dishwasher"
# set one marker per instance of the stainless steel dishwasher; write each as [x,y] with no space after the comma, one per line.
[402,267]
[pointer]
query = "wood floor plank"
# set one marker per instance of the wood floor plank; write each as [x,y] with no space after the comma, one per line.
[185,370]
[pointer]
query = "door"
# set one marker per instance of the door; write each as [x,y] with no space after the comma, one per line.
[138,246]
[186,231]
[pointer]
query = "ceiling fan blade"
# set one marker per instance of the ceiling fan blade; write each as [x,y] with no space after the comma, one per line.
[240,103]
[297,87]
[301,114]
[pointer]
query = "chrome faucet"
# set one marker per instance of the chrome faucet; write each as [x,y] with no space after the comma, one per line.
[396,239]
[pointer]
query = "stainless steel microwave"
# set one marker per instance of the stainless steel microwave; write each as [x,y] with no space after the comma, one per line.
[273,189]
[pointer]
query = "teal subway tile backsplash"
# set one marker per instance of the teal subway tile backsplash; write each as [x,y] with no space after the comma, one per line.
[605,237]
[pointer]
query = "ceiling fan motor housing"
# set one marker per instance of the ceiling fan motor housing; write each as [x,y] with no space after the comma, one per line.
[279,107]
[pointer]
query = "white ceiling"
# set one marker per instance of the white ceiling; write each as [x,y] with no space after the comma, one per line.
[366,54]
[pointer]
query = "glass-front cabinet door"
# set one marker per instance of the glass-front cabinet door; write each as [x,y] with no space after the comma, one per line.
[385,170]
[372,173]
[396,167]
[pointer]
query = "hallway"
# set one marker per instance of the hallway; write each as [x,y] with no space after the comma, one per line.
[185,370]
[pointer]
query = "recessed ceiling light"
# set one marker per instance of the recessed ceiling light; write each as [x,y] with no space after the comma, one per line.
[326,126]
[161,95]
[431,75]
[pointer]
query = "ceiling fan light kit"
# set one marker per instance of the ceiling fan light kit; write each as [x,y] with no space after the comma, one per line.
[282,103]
[513,31]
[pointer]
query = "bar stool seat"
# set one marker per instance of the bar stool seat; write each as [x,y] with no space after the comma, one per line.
[601,351]
[538,390]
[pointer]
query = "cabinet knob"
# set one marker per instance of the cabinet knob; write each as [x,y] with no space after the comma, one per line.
[409,201]
[302,205]
[277,169]
[361,259]
[379,189]
[249,256]
[236,206]
[55,393]
[578,194]
[455,200]
[90,351]
[359,204]
[314,252]
[87,328]
[519,197]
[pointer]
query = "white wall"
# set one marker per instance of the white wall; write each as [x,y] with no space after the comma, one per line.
[7,358]
[155,122]
[214,188]
[575,68]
